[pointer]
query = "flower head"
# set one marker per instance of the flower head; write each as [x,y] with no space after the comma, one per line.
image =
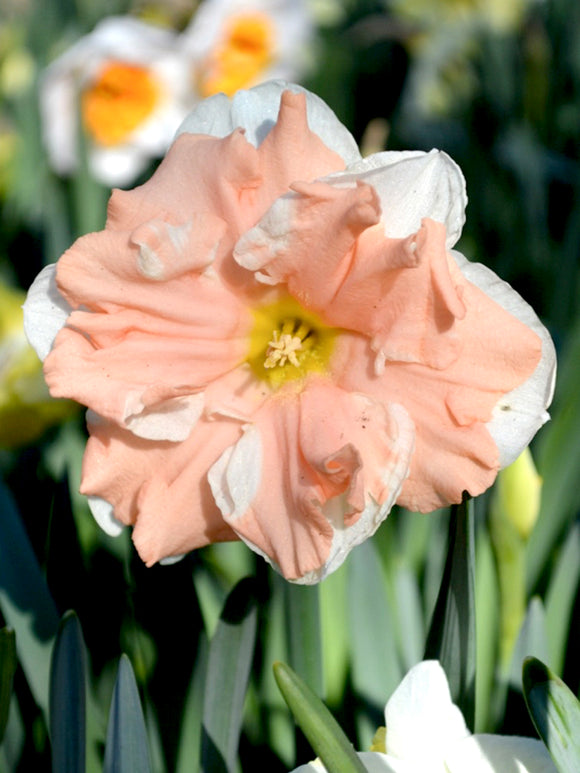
[130,83]
[276,341]
[426,733]
[236,44]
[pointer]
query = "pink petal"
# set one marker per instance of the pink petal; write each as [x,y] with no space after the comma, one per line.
[450,406]
[139,342]
[161,488]
[315,474]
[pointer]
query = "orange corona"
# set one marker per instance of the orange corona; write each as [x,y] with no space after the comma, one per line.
[239,59]
[118,101]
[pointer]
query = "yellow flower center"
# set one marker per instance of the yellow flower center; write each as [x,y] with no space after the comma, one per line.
[118,102]
[288,342]
[241,56]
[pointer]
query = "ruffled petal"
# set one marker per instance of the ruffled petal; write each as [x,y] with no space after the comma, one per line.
[256,111]
[422,721]
[519,414]
[314,475]
[451,405]
[499,754]
[412,186]
[45,311]
[160,488]
[145,338]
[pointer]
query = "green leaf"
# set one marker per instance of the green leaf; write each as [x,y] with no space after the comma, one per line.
[230,657]
[451,637]
[126,749]
[561,596]
[7,669]
[375,665]
[558,462]
[188,755]
[25,601]
[303,633]
[317,723]
[67,720]
[555,711]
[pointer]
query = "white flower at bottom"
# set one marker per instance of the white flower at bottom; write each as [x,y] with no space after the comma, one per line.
[130,83]
[426,733]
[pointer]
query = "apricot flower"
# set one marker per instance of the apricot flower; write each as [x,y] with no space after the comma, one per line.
[276,341]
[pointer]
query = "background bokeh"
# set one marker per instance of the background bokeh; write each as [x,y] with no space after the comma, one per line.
[497,86]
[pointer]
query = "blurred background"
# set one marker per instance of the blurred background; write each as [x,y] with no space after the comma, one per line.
[91,93]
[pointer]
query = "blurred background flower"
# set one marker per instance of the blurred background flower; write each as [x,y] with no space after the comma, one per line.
[236,44]
[122,90]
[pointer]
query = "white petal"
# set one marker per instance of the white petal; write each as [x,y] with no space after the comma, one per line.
[256,111]
[345,539]
[521,412]
[172,420]
[45,311]
[235,478]
[499,754]
[103,514]
[422,722]
[373,762]
[413,185]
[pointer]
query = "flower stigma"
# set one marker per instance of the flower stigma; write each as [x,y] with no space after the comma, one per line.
[238,60]
[288,342]
[118,101]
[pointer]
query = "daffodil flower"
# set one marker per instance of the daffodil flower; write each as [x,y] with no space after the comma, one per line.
[236,44]
[130,84]
[277,342]
[426,733]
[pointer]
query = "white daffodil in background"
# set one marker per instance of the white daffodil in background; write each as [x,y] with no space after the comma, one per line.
[426,733]
[236,44]
[130,83]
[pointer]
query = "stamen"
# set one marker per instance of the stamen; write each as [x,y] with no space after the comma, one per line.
[282,349]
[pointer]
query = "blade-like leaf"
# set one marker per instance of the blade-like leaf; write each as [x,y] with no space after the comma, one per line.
[25,600]
[67,716]
[7,669]
[555,711]
[317,723]
[126,750]
[375,665]
[451,637]
[303,633]
[188,755]
[230,657]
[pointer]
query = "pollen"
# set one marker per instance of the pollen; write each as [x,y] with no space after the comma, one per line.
[121,98]
[281,349]
[239,59]
[288,342]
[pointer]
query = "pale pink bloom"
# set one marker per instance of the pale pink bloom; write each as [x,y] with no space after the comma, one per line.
[426,733]
[276,341]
